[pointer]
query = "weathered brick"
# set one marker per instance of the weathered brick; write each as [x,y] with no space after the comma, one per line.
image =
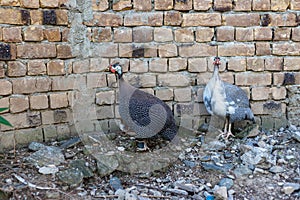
[38,102]
[245,20]
[237,49]
[56,67]
[30,3]
[6,87]
[173,80]
[253,79]
[278,93]
[167,50]
[279,5]
[100,5]
[33,33]
[296,34]
[36,67]
[286,48]
[105,112]
[18,104]
[204,34]
[123,34]
[274,63]
[262,48]
[10,3]
[17,120]
[282,34]
[184,35]
[203,78]
[102,35]
[145,80]
[138,66]
[58,100]
[285,19]
[197,50]
[295,5]
[64,51]
[244,34]
[16,68]
[105,50]
[122,5]
[237,64]
[225,33]
[61,17]
[142,5]
[158,65]
[36,17]
[177,64]
[105,97]
[2,70]
[222,5]
[164,94]
[142,34]
[38,50]
[162,34]
[12,34]
[227,77]
[106,19]
[262,33]
[163,4]
[261,5]
[197,65]
[243,5]
[10,16]
[202,4]
[201,19]
[31,85]
[4,103]
[183,94]
[260,93]
[255,63]
[48,117]
[49,3]
[172,18]
[186,5]
[42,84]
[95,80]
[143,19]
[81,66]
[291,63]
[52,34]
[62,83]
[98,64]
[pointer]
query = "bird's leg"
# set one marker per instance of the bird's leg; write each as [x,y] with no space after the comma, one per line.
[229,133]
[142,145]
[224,132]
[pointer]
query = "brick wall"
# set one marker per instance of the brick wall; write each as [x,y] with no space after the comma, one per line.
[53,53]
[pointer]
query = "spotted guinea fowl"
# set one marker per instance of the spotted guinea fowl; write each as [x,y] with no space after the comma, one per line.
[226,100]
[145,114]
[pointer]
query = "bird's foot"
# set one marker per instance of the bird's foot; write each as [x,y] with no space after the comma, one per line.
[225,135]
[228,135]
[142,146]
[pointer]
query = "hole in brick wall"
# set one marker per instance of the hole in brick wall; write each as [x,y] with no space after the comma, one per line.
[49,17]
[5,52]
[272,106]
[265,20]
[138,52]
[289,79]
[25,14]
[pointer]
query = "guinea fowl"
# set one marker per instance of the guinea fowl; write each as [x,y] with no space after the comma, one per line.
[145,114]
[226,100]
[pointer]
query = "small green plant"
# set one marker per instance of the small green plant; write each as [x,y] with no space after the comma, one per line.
[3,120]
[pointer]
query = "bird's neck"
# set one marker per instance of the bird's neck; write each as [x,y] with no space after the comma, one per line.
[216,72]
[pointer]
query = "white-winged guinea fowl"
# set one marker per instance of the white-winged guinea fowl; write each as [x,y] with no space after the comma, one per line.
[145,114]
[226,100]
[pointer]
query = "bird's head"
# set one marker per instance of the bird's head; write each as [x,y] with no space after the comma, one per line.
[217,61]
[116,69]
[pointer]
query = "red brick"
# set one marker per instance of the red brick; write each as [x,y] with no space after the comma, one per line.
[106,19]
[187,5]
[255,63]
[262,48]
[38,50]
[222,5]
[296,34]
[56,67]
[245,20]
[242,5]
[244,34]
[197,65]
[172,18]
[142,5]
[201,19]
[262,33]
[291,63]
[237,49]
[36,67]
[237,64]
[285,19]
[16,68]
[6,87]
[274,63]
[163,4]
[202,4]
[10,16]
[261,5]
[204,34]
[123,34]
[12,34]
[197,50]
[286,49]
[281,34]
[225,34]
[33,33]
[253,79]
[100,5]
[143,19]
[52,34]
